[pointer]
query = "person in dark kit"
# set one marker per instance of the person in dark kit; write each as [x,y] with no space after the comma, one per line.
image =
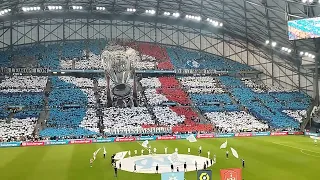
[207,163]
[204,165]
[171,167]
[112,159]
[242,163]
[119,165]
[211,161]
[177,169]
[157,168]
[227,154]
[185,166]
[115,171]
[196,164]
[134,168]
[104,155]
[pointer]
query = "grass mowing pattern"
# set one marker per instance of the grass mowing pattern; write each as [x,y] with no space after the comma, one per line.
[267,158]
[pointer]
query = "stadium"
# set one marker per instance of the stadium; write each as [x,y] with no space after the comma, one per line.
[159,89]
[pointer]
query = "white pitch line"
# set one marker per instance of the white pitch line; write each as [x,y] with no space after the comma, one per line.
[296,148]
[308,154]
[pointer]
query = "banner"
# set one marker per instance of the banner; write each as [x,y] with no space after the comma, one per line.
[243,134]
[224,135]
[295,133]
[231,174]
[311,134]
[143,138]
[104,140]
[57,142]
[124,139]
[10,144]
[261,134]
[173,176]
[279,133]
[32,144]
[204,175]
[205,136]
[183,136]
[166,137]
[80,141]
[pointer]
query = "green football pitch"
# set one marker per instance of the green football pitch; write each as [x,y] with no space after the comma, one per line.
[267,158]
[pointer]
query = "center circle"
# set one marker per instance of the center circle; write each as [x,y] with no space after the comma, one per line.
[147,163]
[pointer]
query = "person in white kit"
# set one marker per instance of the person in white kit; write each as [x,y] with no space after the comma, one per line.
[315,141]
[200,149]
[214,158]
[176,150]
[149,150]
[155,150]
[188,150]
[135,152]
[129,153]
[165,150]
[209,154]
[142,151]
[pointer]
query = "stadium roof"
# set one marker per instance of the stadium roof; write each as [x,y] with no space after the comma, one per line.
[252,20]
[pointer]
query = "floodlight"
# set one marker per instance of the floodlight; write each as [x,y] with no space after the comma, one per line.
[221,24]
[301,53]
[306,53]
[310,1]
[313,56]
[176,14]
[267,41]
[273,44]
[289,50]
[304,1]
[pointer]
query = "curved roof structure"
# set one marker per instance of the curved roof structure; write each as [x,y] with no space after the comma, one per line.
[247,24]
[252,20]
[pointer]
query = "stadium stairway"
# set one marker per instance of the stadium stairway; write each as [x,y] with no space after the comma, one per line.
[98,107]
[306,121]
[44,114]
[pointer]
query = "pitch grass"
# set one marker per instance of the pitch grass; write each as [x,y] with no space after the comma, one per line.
[267,158]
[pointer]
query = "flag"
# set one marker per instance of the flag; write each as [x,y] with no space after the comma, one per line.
[145,144]
[120,155]
[191,138]
[104,150]
[234,174]
[235,153]
[204,174]
[95,153]
[224,145]
[172,176]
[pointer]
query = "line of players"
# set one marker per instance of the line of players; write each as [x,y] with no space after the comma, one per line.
[205,165]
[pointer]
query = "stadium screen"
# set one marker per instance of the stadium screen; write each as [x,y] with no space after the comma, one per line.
[304,28]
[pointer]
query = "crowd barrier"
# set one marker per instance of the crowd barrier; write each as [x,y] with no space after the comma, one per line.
[150,138]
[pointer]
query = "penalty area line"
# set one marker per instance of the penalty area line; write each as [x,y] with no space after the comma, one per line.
[301,150]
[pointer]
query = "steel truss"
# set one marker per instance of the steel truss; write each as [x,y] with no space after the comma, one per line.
[247,24]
